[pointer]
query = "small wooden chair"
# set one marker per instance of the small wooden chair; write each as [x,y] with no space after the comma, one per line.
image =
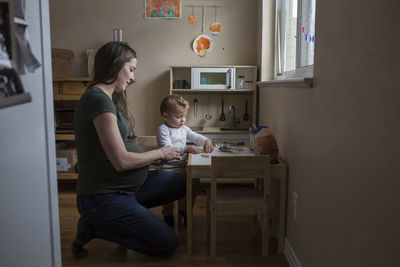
[146,143]
[238,200]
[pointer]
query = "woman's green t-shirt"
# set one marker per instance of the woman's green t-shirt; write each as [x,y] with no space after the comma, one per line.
[96,175]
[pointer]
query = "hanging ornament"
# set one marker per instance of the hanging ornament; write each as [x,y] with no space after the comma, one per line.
[203,43]
[192,19]
[215,28]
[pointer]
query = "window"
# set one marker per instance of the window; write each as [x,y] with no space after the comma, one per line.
[295,38]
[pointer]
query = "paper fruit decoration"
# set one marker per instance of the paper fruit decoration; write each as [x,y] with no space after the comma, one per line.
[193,20]
[215,28]
[202,45]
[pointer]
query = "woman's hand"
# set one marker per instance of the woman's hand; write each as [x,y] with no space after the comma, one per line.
[192,149]
[208,146]
[169,153]
[157,162]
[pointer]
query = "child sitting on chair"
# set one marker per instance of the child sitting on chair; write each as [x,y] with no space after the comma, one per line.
[175,133]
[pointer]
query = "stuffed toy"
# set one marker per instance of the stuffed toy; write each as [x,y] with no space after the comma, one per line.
[265,144]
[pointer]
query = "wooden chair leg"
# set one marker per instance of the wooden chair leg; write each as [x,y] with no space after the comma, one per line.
[265,233]
[254,223]
[208,215]
[180,218]
[213,232]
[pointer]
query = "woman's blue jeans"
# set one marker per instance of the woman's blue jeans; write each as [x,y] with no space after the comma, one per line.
[126,219]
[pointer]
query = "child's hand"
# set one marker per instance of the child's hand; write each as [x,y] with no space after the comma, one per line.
[208,146]
[157,162]
[192,149]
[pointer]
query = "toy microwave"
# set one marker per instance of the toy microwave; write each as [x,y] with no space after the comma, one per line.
[213,78]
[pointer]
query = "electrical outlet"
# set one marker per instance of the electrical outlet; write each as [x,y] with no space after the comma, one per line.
[294,205]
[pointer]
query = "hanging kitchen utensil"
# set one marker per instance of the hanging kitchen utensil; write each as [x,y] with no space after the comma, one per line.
[192,19]
[203,43]
[208,115]
[215,28]
[195,104]
[222,116]
[246,115]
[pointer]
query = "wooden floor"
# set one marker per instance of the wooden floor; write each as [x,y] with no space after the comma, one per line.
[235,246]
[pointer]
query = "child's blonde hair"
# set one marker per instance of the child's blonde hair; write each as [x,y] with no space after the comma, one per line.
[171,102]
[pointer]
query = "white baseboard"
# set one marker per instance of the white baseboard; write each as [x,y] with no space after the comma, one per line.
[290,255]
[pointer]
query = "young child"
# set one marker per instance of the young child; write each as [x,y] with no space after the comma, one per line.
[175,133]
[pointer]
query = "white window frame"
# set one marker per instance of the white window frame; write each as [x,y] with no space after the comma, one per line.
[299,71]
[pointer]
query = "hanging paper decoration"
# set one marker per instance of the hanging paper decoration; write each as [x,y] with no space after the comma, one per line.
[307,37]
[192,19]
[202,45]
[215,28]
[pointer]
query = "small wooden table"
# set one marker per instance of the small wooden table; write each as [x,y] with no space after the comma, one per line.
[200,167]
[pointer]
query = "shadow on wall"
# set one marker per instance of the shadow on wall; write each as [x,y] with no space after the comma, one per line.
[144,100]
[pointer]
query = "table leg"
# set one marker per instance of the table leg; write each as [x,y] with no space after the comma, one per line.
[282,212]
[189,208]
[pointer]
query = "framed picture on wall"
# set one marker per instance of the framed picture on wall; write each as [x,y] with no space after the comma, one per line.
[11,88]
[162,9]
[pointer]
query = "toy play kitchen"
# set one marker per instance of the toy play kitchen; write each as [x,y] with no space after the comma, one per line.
[222,100]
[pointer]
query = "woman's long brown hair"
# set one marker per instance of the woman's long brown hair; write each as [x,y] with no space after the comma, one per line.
[109,60]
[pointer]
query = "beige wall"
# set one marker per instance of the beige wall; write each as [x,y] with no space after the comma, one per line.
[341,139]
[80,25]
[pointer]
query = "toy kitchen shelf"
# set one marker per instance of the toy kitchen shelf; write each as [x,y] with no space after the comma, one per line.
[66,93]
[208,101]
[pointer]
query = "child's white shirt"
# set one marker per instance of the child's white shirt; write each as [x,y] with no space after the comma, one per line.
[177,137]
